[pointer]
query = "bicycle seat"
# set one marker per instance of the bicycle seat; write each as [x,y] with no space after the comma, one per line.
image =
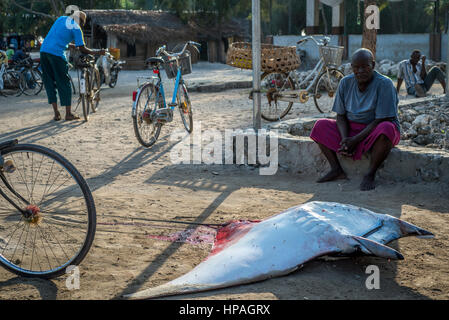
[154,61]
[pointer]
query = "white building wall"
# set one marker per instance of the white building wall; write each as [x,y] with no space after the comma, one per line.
[395,47]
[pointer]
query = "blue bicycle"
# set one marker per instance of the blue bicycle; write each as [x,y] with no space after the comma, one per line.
[150,109]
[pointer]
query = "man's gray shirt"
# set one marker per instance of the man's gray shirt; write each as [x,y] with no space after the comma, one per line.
[378,101]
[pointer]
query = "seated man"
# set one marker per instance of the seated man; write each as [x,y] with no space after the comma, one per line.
[417,80]
[19,55]
[366,104]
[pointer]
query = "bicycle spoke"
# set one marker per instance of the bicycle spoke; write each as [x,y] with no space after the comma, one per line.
[11,235]
[18,170]
[40,165]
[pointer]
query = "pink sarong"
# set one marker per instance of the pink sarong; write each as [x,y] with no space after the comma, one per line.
[326,132]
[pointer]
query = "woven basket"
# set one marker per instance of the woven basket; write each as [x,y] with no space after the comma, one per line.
[273,58]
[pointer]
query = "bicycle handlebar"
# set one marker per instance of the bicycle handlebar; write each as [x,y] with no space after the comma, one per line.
[323,42]
[163,49]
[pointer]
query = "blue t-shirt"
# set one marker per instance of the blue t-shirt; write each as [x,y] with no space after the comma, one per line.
[378,101]
[63,31]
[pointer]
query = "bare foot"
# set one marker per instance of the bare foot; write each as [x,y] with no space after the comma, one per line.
[332,175]
[367,183]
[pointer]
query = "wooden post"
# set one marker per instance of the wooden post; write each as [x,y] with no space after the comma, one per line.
[256,51]
[369,40]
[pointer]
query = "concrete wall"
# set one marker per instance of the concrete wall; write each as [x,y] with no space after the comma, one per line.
[395,47]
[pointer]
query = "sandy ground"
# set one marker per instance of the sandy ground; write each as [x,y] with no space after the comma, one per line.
[134,184]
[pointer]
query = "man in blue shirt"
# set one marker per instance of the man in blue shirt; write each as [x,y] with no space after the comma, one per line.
[55,70]
[366,104]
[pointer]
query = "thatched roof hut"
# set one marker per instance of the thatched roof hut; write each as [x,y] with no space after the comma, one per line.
[138,33]
[140,25]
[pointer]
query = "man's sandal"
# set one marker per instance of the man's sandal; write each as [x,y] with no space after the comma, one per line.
[57,116]
[71,116]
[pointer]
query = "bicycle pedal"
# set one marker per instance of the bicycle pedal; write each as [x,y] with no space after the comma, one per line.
[8,166]
[172,105]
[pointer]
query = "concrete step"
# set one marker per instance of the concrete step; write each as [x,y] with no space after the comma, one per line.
[409,164]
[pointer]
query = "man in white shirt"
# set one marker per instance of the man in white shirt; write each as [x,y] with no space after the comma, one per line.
[417,80]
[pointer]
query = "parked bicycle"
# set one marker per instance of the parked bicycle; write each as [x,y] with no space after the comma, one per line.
[150,110]
[33,83]
[47,212]
[11,81]
[89,85]
[281,90]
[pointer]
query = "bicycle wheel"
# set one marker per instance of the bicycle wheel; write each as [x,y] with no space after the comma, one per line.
[13,83]
[95,87]
[326,88]
[84,93]
[37,76]
[33,82]
[114,78]
[271,83]
[56,224]
[146,130]
[73,85]
[185,108]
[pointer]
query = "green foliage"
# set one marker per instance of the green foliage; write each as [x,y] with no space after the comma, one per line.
[277,16]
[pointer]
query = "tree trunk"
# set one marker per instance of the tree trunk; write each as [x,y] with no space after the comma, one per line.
[369,39]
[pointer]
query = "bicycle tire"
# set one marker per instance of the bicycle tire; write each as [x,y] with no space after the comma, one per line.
[51,222]
[113,83]
[13,83]
[41,83]
[37,80]
[267,111]
[185,108]
[73,85]
[331,91]
[85,101]
[114,78]
[95,89]
[138,119]
[22,84]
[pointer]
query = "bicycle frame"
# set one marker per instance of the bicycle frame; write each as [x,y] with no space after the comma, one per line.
[80,75]
[315,73]
[5,145]
[294,95]
[161,92]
